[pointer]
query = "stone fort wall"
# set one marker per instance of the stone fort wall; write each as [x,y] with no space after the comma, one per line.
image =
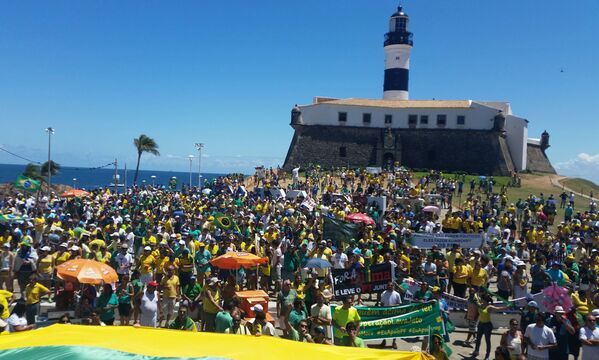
[537,161]
[474,151]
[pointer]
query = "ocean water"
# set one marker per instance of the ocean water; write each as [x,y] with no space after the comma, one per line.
[94,178]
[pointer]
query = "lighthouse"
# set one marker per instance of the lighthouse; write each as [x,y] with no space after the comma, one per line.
[398,44]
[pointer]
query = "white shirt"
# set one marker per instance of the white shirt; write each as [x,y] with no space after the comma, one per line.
[589,352]
[123,262]
[13,321]
[539,336]
[390,298]
[339,260]
[268,329]
[324,312]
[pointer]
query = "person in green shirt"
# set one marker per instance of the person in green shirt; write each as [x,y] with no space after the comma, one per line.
[301,333]
[191,293]
[224,320]
[183,321]
[106,304]
[352,338]
[298,313]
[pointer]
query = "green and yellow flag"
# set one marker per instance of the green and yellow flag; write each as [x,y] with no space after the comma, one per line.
[28,184]
[225,222]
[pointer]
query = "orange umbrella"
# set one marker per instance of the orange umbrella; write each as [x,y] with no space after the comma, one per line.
[86,272]
[234,260]
[74,193]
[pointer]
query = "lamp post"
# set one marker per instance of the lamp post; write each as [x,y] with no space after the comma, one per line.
[190,163]
[153,179]
[75,183]
[199,146]
[50,132]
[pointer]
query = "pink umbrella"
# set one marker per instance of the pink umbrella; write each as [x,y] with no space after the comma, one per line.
[431,208]
[556,296]
[358,217]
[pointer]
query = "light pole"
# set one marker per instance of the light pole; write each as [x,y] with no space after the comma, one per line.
[153,179]
[75,183]
[50,132]
[190,163]
[200,146]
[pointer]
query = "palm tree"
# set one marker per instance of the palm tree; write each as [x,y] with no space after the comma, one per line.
[144,144]
[33,171]
[49,165]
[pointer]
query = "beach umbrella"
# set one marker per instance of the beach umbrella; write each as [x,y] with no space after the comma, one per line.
[432,208]
[482,177]
[206,191]
[87,272]
[317,263]
[234,260]
[358,217]
[74,193]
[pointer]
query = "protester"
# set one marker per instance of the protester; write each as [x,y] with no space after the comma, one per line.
[512,341]
[539,339]
[183,321]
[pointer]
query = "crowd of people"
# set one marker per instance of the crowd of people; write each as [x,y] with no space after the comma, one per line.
[161,243]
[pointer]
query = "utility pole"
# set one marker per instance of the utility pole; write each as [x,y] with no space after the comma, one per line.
[50,132]
[190,163]
[199,146]
[116,177]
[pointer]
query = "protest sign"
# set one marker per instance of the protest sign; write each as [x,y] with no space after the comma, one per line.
[347,282]
[413,324]
[365,280]
[368,313]
[426,241]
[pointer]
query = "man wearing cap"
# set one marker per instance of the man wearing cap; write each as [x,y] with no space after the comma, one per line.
[202,263]
[563,330]
[211,304]
[146,265]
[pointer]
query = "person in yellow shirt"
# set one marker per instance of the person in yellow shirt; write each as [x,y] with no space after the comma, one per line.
[33,293]
[460,278]
[478,277]
[171,294]
[45,266]
[146,266]
[62,255]
[4,297]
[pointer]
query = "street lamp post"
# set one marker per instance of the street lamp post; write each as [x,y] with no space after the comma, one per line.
[153,179]
[190,163]
[75,183]
[199,146]
[50,132]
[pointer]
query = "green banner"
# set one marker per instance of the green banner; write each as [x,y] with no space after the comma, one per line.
[339,231]
[376,313]
[413,324]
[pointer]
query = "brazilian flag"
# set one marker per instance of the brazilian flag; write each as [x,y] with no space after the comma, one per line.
[28,184]
[225,222]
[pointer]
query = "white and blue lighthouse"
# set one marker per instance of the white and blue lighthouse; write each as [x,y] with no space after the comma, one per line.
[398,44]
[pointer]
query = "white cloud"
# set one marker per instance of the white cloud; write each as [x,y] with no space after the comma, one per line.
[583,165]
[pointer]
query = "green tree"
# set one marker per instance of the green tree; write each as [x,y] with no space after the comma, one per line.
[33,171]
[54,169]
[144,144]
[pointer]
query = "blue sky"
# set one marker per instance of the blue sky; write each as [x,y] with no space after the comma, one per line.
[227,73]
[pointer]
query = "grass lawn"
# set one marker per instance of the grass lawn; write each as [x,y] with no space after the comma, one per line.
[534,184]
[581,185]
